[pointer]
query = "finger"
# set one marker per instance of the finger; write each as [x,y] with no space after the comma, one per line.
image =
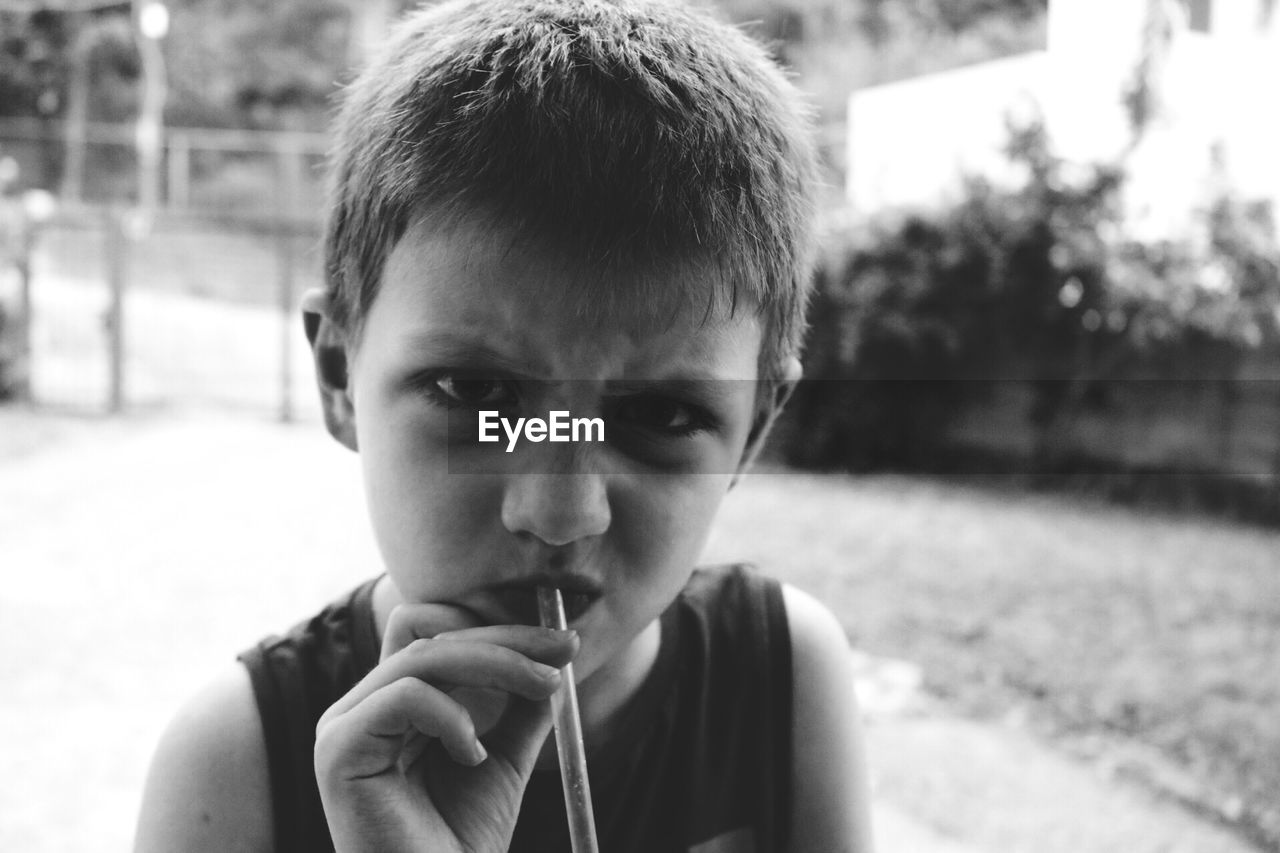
[409,622]
[456,663]
[369,739]
[413,747]
[546,645]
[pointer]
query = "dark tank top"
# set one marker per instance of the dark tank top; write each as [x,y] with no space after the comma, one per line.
[701,760]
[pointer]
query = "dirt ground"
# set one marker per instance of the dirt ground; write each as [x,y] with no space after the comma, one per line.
[139,554]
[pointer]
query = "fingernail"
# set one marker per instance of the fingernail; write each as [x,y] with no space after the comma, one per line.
[478,753]
[546,673]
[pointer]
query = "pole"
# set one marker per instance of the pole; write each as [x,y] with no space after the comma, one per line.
[151,22]
[76,130]
[26,247]
[179,188]
[117,257]
[289,168]
[285,259]
[368,30]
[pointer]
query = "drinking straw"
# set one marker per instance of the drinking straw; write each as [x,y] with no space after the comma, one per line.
[568,726]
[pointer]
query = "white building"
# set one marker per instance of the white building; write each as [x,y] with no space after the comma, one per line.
[910,142]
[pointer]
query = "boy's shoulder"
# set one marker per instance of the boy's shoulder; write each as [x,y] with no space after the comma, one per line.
[830,793]
[785,655]
[736,605]
[753,611]
[213,754]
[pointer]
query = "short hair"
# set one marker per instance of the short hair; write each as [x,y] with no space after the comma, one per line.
[633,135]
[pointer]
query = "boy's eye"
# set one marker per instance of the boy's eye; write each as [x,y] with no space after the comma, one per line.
[453,390]
[660,414]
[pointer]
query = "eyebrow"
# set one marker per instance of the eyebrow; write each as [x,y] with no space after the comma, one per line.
[711,389]
[451,350]
[454,351]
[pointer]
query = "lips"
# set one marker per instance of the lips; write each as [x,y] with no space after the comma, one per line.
[516,602]
[522,604]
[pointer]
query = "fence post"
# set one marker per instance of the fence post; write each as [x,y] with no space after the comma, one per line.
[25,318]
[117,248]
[286,261]
[179,183]
[289,168]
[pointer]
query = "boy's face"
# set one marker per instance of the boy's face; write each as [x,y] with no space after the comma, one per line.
[464,323]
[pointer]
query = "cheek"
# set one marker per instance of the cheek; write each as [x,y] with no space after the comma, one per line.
[426,520]
[668,520]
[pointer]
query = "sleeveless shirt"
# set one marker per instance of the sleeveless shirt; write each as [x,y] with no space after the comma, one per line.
[701,760]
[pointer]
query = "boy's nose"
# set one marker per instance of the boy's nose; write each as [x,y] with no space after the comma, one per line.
[557,508]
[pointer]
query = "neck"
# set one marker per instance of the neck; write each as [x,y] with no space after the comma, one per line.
[604,694]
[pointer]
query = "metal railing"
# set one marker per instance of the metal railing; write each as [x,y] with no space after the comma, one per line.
[112,307]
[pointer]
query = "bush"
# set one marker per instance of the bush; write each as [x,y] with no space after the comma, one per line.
[915,321]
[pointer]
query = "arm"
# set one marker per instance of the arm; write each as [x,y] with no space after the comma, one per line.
[208,788]
[385,779]
[830,798]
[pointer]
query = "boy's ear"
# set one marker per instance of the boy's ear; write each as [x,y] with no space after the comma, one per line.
[330,349]
[766,414]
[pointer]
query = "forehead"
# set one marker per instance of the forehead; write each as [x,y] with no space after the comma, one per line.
[480,286]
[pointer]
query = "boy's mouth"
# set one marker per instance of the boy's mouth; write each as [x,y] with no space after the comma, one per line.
[517,601]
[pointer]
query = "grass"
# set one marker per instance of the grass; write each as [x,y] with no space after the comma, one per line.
[1150,641]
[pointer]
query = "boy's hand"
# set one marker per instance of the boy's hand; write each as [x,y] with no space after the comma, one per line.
[398,760]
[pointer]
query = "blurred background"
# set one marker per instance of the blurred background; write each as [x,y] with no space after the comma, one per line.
[1035,468]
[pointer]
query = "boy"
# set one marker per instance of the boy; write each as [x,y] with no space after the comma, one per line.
[573,206]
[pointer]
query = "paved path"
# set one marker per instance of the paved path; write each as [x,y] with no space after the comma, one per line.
[139,555]
[946,785]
